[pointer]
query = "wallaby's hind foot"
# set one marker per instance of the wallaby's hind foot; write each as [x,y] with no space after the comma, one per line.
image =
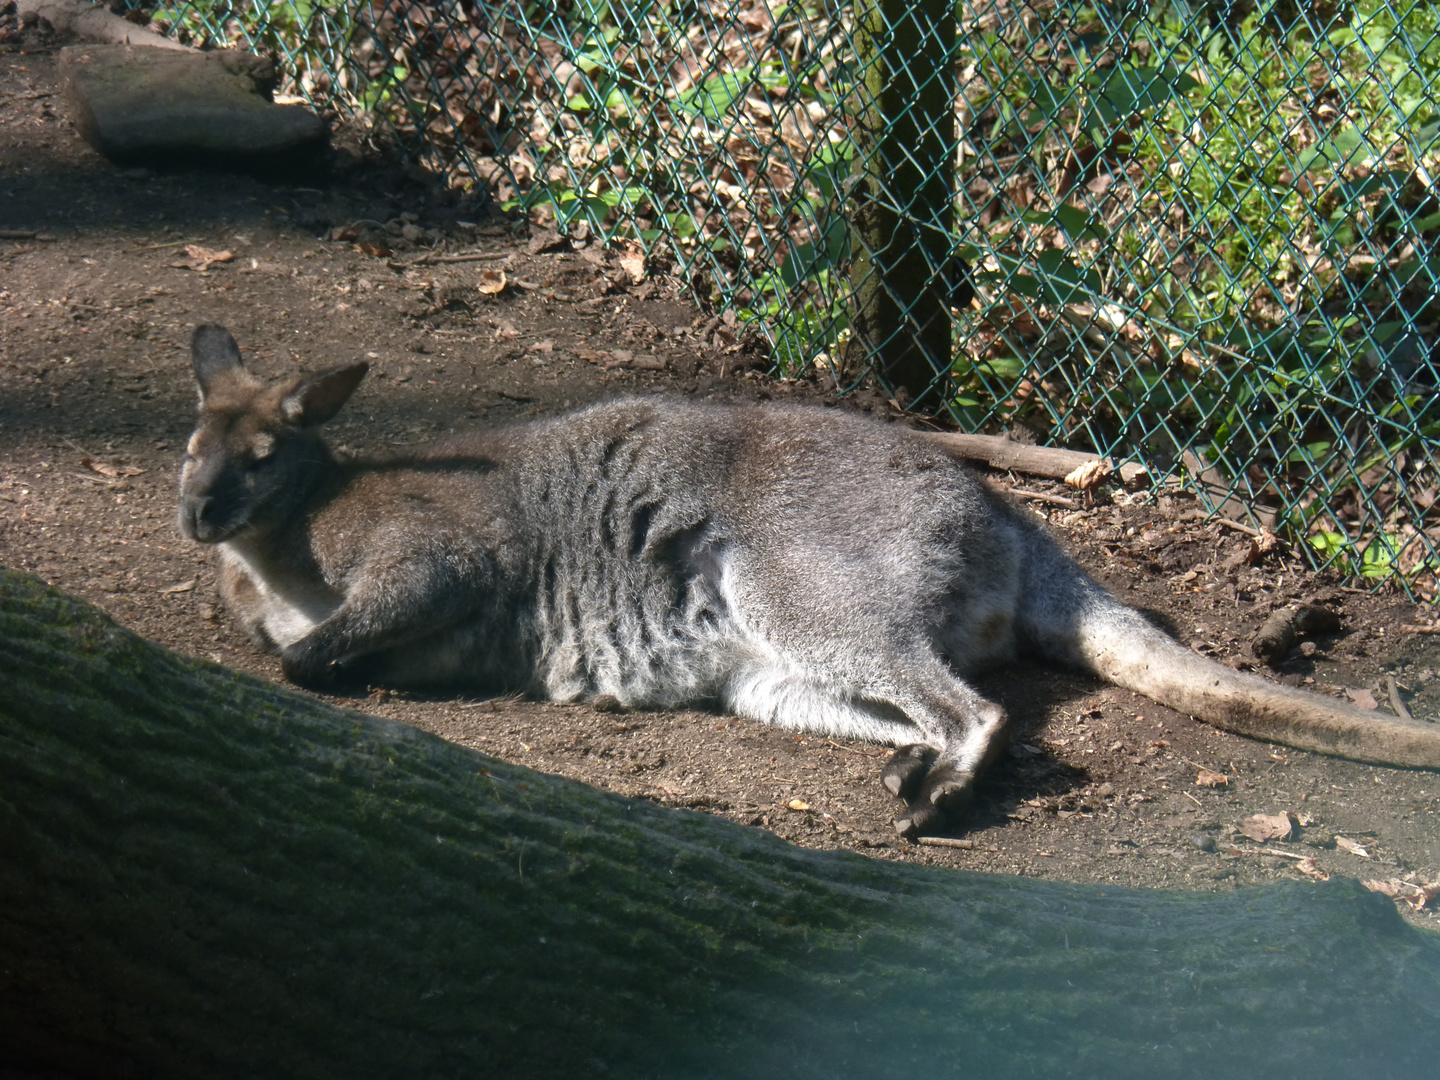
[939,786]
[941,802]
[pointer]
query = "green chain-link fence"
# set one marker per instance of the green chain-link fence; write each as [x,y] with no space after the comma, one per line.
[1200,235]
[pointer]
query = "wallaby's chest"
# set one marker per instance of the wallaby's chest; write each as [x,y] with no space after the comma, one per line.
[276,606]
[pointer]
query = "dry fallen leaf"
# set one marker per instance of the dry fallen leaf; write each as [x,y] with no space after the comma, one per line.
[1268,542]
[114,472]
[1211,779]
[1363,699]
[1310,868]
[633,263]
[506,330]
[184,586]
[1088,475]
[202,259]
[1262,827]
[375,251]
[1417,896]
[492,282]
[1351,846]
[798,804]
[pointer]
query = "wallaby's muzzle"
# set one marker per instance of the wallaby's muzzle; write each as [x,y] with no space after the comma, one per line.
[213,504]
[198,520]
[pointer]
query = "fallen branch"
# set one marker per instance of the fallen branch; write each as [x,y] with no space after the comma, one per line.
[1002,453]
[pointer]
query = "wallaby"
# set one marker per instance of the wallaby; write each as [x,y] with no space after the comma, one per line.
[798,566]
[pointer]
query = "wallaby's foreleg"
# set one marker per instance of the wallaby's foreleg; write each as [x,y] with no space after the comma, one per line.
[408,601]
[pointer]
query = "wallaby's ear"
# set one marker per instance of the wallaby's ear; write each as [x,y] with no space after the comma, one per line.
[213,352]
[319,397]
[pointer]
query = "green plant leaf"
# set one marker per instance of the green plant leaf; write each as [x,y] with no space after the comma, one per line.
[1062,282]
[714,97]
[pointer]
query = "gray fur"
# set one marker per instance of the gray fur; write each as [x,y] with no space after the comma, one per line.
[799,566]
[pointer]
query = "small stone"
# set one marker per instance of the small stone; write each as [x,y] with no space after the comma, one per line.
[1203,841]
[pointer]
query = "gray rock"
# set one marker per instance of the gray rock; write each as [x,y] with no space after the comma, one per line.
[149,107]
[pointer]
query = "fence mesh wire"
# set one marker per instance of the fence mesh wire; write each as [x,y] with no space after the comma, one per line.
[1200,235]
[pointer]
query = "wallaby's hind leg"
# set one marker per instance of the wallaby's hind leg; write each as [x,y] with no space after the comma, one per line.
[945,731]
[936,778]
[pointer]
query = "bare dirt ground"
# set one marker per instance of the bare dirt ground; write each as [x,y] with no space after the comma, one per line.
[96,402]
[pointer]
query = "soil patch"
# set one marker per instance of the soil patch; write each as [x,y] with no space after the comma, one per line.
[466,321]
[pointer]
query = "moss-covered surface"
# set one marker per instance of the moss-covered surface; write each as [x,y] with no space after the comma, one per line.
[204,875]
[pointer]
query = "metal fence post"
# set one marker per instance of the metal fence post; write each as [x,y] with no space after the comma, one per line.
[902,206]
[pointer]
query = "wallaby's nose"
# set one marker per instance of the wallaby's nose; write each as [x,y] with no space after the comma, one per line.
[195,513]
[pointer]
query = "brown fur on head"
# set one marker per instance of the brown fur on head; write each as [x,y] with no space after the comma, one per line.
[256,450]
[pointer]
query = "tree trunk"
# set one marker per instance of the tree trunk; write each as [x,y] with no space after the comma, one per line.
[204,875]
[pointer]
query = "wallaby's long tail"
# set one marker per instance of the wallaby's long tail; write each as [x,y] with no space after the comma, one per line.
[1120,646]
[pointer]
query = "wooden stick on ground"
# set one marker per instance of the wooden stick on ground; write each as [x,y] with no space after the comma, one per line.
[1002,453]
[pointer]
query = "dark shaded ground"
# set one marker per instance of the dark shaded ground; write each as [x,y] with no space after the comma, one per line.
[96,402]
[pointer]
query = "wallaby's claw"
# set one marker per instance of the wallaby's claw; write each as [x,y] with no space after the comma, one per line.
[324,676]
[905,769]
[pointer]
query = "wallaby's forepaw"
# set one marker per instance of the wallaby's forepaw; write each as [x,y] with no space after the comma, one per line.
[941,795]
[301,666]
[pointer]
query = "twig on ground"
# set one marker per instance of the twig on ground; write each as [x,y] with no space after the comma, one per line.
[946,841]
[1041,496]
[1267,851]
[1396,701]
[458,257]
[1238,526]
[157,247]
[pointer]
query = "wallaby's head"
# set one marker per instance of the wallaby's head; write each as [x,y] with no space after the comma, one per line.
[256,451]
